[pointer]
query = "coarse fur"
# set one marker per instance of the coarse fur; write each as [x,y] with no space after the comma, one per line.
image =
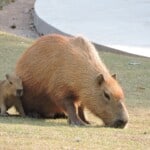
[10,91]
[66,74]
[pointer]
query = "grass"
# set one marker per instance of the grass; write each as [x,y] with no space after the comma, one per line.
[26,133]
[11,48]
[4,3]
[133,74]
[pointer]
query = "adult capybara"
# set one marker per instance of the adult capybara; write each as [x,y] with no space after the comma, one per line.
[65,74]
[11,90]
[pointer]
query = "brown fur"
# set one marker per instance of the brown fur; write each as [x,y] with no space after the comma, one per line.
[10,91]
[62,74]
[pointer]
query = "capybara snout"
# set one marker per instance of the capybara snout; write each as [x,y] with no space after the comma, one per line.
[120,123]
[122,118]
[19,92]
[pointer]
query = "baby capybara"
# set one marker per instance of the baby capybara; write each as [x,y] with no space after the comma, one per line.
[66,74]
[11,90]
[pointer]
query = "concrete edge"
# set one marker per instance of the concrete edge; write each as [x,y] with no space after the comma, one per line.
[43,27]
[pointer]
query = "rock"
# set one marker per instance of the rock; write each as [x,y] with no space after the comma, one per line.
[145,132]
[13,26]
[134,63]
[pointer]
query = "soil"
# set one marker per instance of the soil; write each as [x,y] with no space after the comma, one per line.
[17,18]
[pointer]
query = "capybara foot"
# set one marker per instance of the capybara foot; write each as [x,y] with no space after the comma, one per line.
[4,114]
[34,115]
[87,122]
[23,115]
[76,122]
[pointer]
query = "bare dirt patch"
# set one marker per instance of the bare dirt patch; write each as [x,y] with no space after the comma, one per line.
[16,18]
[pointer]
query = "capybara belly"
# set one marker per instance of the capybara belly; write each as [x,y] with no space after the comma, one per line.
[40,106]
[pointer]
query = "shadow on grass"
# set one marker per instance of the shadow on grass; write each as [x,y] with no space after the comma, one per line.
[16,119]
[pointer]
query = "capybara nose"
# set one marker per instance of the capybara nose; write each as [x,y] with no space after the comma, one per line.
[19,92]
[120,123]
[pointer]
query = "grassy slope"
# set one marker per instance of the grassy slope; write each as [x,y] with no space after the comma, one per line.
[18,133]
[11,48]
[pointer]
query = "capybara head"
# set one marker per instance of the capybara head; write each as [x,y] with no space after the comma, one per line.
[110,105]
[14,85]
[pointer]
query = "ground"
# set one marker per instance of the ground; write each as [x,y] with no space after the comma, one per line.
[16,18]
[25,133]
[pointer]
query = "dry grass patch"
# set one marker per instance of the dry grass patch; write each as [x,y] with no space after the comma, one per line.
[5,2]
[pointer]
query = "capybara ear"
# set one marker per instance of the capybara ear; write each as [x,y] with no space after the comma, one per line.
[100,79]
[114,76]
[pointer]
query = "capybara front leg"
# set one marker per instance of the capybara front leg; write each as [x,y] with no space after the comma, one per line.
[82,115]
[19,107]
[3,110]
[73,118]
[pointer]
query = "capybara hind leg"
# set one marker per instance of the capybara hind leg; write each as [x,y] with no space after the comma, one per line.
[82,115]
[73,118]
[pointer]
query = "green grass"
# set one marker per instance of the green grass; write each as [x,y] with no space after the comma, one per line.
[11,48]
[135,79]
[5,2]
[26,133]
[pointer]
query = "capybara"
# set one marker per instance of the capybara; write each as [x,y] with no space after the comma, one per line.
[11,90]
[66,74]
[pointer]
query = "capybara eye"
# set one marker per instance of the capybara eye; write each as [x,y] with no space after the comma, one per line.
[106,95]
[10,82]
